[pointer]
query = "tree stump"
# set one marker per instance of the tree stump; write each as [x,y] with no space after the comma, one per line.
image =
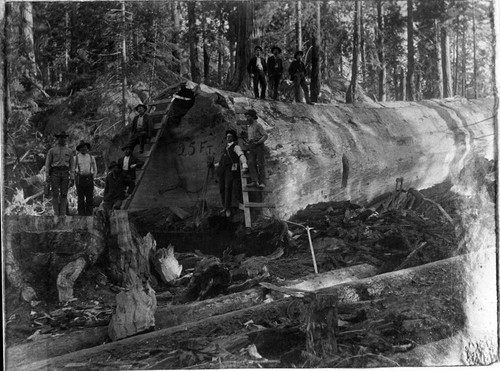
[321,325]
[127,250]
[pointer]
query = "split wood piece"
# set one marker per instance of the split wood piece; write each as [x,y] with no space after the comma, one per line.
[127,250]
[166,264]
[181,213]
[135,309]
[322,325]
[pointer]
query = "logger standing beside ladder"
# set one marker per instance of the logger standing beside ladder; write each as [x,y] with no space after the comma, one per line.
[255,144]
[228,170]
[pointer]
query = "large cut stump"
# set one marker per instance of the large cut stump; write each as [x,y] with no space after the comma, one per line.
[135,309]
[127,250]
[46,253]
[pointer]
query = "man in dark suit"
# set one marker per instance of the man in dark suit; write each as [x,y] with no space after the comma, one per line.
[257,69]
[128,163]
[117,188]
[297,71]
[141,129]
[275,71]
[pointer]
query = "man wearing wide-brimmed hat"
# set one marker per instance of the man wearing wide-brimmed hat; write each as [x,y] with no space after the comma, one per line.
[117,187]
[297,71]
[59,166]
[129,163]
[257,69]
[141,129]
[228,170]
[85,170]
[275,71]
[256,136]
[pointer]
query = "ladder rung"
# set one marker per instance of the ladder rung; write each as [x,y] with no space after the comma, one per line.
[245,175]
[260,204]
[156,102]
[254,189]
[158,125]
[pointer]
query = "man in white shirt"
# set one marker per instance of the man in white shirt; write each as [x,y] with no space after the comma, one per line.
[85,170]
[129,163]
[257,69]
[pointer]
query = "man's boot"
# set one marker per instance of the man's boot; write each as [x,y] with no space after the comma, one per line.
[63,204]
[55,205]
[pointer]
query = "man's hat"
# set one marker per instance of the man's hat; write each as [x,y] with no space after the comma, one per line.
[81,144]
[274,48]
[252,113]
[298,52]
[113,164]
[62,134]
[141,105]
[233,133]
[127,146]
[257,48]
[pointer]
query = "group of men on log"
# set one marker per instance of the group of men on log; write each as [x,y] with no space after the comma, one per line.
[64,169]
[259,67]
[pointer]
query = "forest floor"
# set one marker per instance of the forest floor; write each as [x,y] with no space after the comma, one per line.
[378,329]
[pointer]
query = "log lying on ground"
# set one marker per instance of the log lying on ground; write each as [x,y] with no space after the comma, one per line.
[390,285]
[326,152]
[38,248]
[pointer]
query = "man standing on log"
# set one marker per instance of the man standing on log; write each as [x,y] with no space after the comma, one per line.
[141,129]
[129,163]
[257,69]
[85,169]
[228,170]
[117,187]
[275,71]
[255,145]
[59,166]
[297,71]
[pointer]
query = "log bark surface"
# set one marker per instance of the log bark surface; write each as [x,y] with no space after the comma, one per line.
[320,153]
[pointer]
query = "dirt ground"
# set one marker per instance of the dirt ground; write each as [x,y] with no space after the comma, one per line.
[402,319]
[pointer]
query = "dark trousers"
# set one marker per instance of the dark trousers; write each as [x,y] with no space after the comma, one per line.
[256,164]
[138,138]
[228,181]
[59,183]
[112,205]
[300,82]
[274,83]
[85,192]
[259,78]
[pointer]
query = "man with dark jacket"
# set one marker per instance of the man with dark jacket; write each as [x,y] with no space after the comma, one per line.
[228,169]
[257,70]
[275,71]
[141,129]
[59,167]
[117,187]
[129,163]
[297,71]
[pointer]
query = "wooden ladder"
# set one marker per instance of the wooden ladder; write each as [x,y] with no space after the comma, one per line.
[246,206]
[159,118]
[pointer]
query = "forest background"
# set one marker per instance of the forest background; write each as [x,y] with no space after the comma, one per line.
[70,56]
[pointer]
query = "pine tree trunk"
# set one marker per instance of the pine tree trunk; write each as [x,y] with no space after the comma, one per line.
[351,91]
[206,61]
[193,43]
[381,53]
[411,54]
[439,62]
[176,52]
[6,68]
[298,25]
[155,42]
[316,58]
[28,41]
[474,75]
[124,65]
[464,66]
[362,42]
[243,49]
[455,80]
[445,59]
